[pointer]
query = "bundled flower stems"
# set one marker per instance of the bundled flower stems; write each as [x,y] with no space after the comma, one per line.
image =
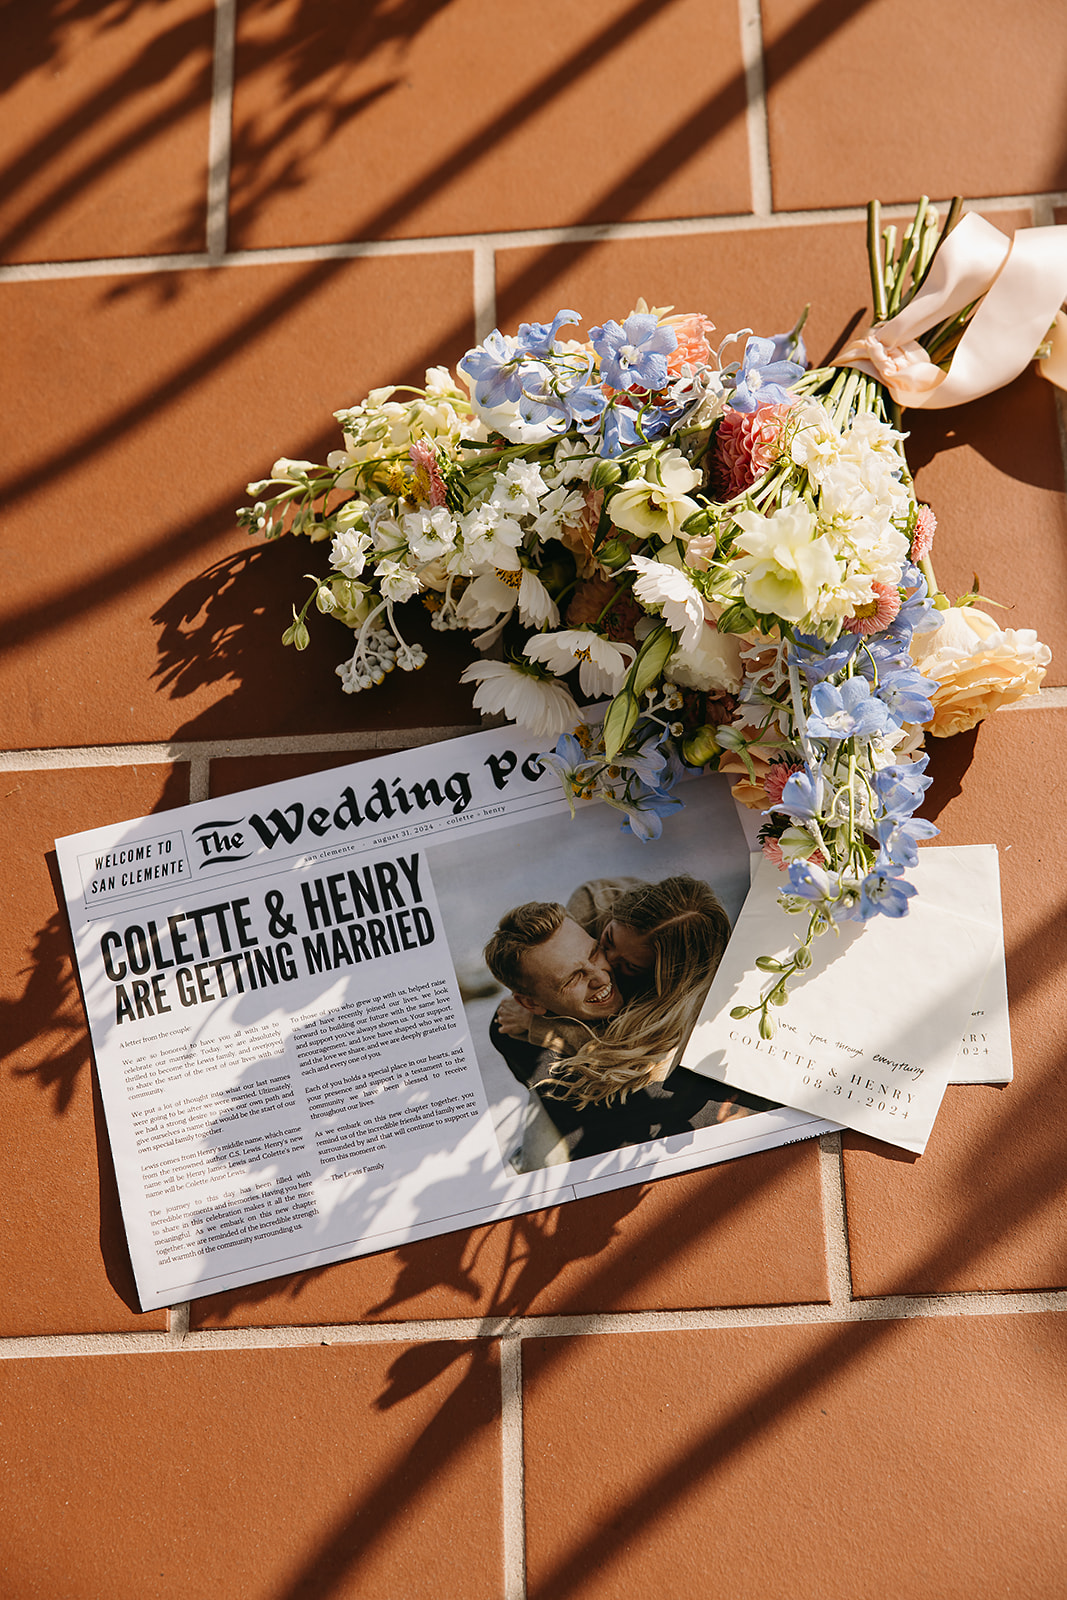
[723,542]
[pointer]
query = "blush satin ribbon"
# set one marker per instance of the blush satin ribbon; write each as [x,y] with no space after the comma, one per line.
[1020,282]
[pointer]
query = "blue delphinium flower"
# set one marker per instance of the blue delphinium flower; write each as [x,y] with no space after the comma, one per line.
[538,338]
[498,366]
[801,796]
[573,766]
[900,788]
[818,660]
[899,838]
[808,881]
[645,810]
[788,347]
[850,712]
[633,355]
[883,890]
[560,393]
[763,380]
[907,694]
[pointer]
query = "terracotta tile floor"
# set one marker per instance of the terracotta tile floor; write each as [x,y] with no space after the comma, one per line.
[828,1370]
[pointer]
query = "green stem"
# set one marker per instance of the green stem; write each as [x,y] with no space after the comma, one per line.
[874,258]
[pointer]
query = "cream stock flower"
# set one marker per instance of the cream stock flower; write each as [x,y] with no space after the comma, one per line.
[977,666]
[714,663]
[785,563]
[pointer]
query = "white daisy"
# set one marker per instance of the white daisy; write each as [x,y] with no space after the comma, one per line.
[669,591]
[602,665]
[541,705]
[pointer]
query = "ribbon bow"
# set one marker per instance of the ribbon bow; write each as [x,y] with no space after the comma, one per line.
[1020,284]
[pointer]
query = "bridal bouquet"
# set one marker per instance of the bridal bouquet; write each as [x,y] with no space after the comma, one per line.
[723,542]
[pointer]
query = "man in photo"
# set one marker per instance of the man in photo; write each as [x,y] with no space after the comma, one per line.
[604,993]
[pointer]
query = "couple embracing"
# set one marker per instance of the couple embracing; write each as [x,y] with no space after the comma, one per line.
[604,993]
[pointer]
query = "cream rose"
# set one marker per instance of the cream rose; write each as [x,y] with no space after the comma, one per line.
[977,666]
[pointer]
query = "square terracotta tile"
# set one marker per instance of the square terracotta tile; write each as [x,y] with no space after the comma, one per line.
[471,117]
[913,99]
[993,472]
[104,140]
[138,411]
[905,1459]
[983,1207]
[64,1262]
[748,1232]
[370,1470]
[756,278]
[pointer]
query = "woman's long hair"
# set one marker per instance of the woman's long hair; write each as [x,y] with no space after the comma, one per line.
[684,922]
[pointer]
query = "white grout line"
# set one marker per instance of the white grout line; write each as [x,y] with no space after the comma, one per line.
[139,755]
[835,1220]
[220,126]
[201,752]
[670,227]
[884,1308]
[759,151]
[178,1320]
[513,1484]
[484,290]
[199,778]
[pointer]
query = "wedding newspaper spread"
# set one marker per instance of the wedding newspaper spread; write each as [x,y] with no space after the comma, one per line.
[304,1057]
[296,1033]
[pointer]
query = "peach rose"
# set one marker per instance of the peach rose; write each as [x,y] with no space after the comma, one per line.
[978,667]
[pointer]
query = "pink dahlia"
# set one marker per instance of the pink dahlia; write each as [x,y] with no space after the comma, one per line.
[878,613]
[923,537]
[429,484]
[746,444]
[776,778]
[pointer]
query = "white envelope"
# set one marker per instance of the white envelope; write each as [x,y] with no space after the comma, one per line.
[871,1034]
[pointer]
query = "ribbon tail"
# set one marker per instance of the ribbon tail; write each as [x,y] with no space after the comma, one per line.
[1019,285]
[1012,320]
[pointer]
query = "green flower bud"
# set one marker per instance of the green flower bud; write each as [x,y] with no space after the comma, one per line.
[736,619]
[767,1026]
[802,959]
[613,554]
[739,1013]
[701,746]
[297,635]
[604,474]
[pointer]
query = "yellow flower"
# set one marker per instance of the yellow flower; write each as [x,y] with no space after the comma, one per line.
[978,667]
[659,506]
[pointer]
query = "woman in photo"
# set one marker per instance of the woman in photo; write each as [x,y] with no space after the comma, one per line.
[663,942]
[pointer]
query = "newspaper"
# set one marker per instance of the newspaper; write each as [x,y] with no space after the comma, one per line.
[302,1054]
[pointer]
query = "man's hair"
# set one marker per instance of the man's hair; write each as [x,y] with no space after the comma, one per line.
[518,932]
